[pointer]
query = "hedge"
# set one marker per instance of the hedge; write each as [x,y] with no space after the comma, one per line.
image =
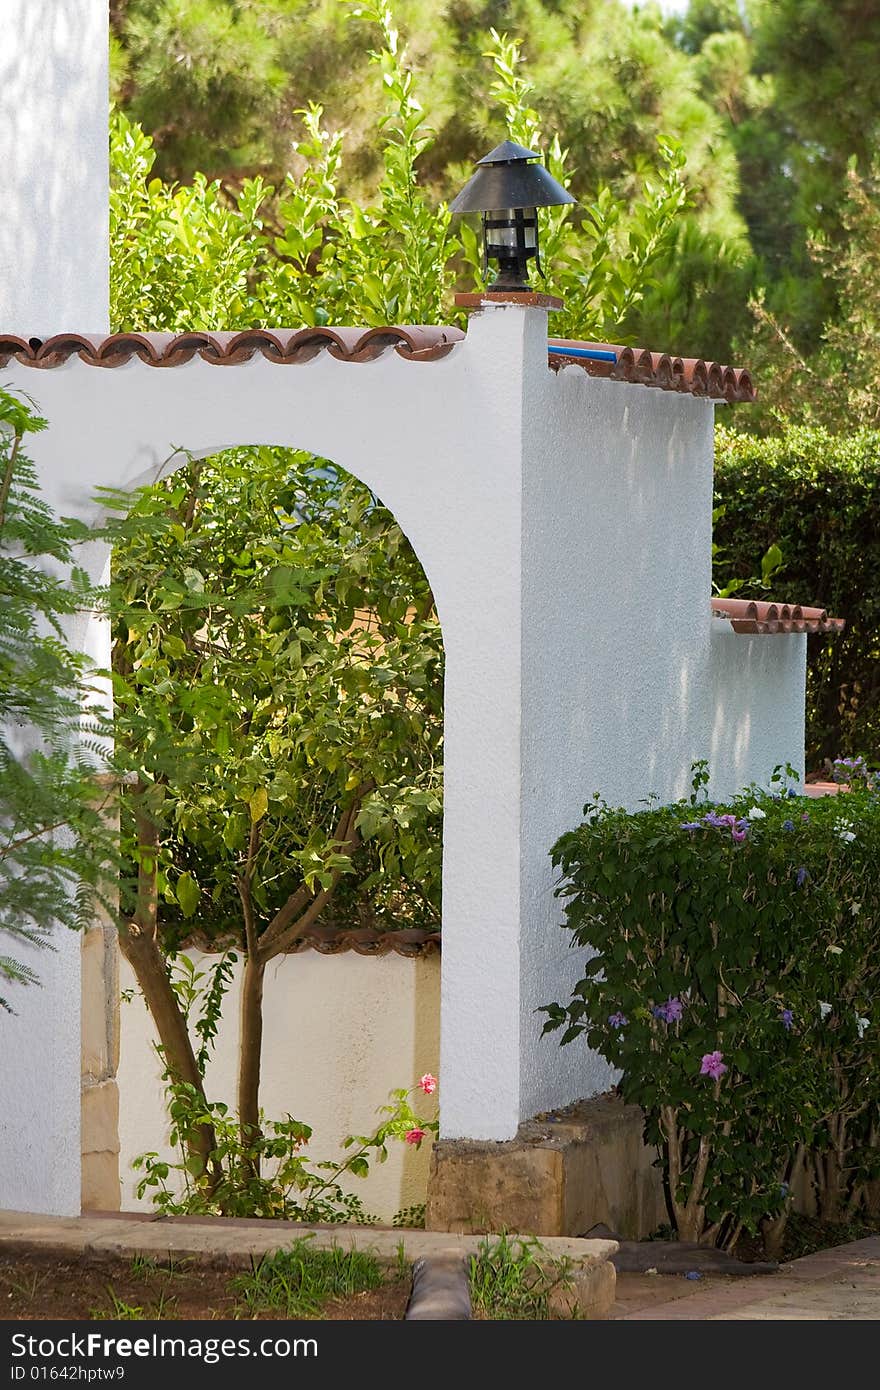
[816,495]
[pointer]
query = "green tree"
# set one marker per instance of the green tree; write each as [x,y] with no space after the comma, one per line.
[278,685]
[796,85]
[847,351]
[55,839]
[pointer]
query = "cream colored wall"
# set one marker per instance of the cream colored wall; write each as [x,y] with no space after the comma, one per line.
[340,1032]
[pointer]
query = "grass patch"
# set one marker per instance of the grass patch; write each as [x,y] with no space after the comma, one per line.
[299,1281]
[120,1311]
[514,1279]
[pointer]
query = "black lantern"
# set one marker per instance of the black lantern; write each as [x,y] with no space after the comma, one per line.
[508,188]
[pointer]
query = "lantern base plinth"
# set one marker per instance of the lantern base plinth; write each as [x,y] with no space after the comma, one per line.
[531,299]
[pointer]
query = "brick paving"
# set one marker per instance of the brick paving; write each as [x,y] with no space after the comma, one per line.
[842,1283]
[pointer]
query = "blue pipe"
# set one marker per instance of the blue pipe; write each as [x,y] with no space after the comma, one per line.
[594,354]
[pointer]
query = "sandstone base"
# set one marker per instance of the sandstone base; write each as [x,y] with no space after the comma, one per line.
[565,1173]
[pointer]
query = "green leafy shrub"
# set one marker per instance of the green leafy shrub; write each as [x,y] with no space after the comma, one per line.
[816,495]
[732,975]
[208,256]
[270,1172]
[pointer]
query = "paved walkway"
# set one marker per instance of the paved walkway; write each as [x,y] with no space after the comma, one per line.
[839,1283]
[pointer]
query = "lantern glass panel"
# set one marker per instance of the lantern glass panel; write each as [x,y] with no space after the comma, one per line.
[522,222]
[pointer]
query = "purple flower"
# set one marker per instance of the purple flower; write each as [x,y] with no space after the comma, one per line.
[788,825]
[805,816]
[739,831]
[787,1019]
[691,825]
[845,769]
[713,1065]
[618,1020]
[802,876]
[670,1012]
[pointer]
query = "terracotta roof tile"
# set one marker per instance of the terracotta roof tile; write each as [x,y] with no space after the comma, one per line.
[417,343]
[333,941]
[690,375]
[750,616]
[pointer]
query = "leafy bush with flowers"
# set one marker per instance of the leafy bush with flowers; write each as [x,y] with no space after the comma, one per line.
[272,1174]
[732,975]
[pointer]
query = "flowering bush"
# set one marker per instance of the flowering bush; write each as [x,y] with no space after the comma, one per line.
[732,976]
[273,1174]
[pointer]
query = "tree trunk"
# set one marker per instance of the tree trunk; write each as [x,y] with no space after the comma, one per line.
[146,960]
[250,1049]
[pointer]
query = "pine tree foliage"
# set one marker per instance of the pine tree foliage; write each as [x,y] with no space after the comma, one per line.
[54,829]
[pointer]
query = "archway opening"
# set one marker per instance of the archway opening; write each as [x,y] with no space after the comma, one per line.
[278,669]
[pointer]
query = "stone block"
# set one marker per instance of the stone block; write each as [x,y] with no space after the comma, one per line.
[95,1043]
[477,1188]
[565,1173]
[587,1293]
[100,1118]
[100,1182]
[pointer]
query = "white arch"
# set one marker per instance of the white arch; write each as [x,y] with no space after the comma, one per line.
[564,525]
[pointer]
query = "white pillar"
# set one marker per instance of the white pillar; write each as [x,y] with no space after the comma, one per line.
[54,267]
[54,257]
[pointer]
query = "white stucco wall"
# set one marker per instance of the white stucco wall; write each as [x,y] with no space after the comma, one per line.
[625,682]
[53,273]
[53,154]
[340,1033]
[563,523]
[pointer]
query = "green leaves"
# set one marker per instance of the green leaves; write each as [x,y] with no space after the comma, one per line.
[187,891]
[199,256]
[271,1174]
[702,943]
[302,664]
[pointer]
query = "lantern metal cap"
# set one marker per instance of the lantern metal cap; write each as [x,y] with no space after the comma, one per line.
[507,153]
[505,178]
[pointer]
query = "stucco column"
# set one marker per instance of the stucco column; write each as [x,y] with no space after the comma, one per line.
[54,257]
[54,275]
[481,982]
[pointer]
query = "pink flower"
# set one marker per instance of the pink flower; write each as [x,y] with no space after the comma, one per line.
[428,1083]
[713,1065]
[415,1136]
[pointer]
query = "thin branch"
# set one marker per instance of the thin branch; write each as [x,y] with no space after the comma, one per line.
[243,884]
[7,479]
[346,837]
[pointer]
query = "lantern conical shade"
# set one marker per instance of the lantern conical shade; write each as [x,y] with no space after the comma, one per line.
[505,178]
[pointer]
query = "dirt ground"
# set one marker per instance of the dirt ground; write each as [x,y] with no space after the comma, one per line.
[45,1287]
